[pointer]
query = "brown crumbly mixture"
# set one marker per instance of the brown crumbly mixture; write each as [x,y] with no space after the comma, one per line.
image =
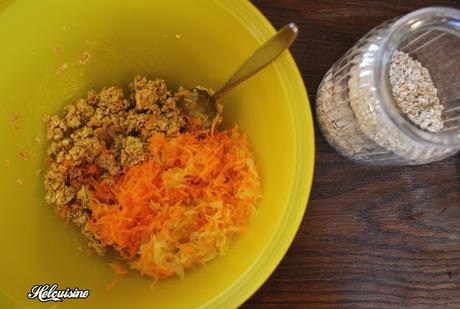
[14,119]
[61,68]
[24,155]
[84,58]
[107,129]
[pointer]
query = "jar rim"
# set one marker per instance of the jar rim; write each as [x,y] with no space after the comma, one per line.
[439,18]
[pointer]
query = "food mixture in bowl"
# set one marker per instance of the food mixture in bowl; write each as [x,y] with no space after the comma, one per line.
[139,176]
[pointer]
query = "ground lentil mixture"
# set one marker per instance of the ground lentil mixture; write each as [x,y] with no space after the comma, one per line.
[107,130]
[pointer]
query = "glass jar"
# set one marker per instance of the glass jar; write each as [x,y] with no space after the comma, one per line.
[355,107]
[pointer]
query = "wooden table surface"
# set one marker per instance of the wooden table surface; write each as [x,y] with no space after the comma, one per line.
[372,237]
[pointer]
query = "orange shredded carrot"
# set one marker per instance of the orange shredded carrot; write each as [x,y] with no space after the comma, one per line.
[63,211]
[112,283]
[104,151]
[93,169]
[74,184]
[118,269]
[103,192]
[183,205]
[152,121]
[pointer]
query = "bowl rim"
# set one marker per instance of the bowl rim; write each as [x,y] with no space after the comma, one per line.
[265,264]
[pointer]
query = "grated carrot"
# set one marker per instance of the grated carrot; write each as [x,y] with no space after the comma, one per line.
[118,269]
[182,206]
[112,283]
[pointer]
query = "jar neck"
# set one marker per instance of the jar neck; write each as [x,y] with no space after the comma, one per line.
[444,20]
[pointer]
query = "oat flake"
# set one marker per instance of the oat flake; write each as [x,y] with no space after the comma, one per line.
[415,93]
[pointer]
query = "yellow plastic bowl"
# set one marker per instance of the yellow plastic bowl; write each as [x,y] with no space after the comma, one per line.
[187,43]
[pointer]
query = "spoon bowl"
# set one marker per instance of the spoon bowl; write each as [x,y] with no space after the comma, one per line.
[204,105]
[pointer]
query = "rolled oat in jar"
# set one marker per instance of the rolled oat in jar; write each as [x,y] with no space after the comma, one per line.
[394,97]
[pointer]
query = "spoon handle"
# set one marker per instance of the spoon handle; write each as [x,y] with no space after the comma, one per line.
[261,57]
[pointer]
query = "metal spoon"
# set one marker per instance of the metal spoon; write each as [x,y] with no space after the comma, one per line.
[204,104]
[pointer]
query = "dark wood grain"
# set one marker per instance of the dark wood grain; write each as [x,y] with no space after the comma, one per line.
[373,237]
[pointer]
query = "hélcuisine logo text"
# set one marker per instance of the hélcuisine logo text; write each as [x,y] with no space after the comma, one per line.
[46,292]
